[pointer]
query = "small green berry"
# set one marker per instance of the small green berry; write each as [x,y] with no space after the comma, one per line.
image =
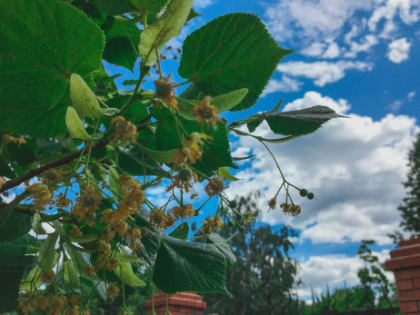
[303,192]
[310,196]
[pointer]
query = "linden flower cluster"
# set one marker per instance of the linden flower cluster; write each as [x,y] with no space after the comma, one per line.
[205,112]
[132,197]
[191,151]
[87,204]
[124,130]
[293,210]
[182,212]
[183,180]
[215,186]
[161,219]
[164,89]
[53,305]
[10,139]
[212,224]
[41,195]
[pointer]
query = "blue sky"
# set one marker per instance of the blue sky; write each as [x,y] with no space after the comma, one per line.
[360,58]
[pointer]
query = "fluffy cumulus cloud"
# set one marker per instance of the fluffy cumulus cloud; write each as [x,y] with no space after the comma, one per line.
[286,84]
[319,271]
[354,165]
[311,19]
[342,29]
[399,50]
[322,72]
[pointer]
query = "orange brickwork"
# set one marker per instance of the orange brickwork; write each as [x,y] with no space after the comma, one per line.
[186,303]
[405,263]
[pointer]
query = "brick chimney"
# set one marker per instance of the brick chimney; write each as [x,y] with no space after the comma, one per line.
[405,263]
[186,303]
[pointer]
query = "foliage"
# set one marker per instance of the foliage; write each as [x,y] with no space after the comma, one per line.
[262,278]
[374,291]
[410,207]
[79,156]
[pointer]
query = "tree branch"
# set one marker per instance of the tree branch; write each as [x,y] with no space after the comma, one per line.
[37,171]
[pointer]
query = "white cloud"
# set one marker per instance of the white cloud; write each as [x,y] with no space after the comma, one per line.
[314,50]
[333,51]
[407,10]
[399,50]
[201,4]
[285,85]
[311,19]
[354,165]
[332,270]
[397,104]
[322,72]
[364,46]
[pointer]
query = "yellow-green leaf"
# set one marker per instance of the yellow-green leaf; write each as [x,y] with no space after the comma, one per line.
[155,36]
[75,125]
[127,276]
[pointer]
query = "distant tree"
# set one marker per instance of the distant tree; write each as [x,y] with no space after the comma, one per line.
[374,290]
[410,207]
[262,279]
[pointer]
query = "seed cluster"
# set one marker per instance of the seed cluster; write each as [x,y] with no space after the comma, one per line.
[52,305]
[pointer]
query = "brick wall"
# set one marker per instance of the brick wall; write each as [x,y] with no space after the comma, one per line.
[187,303]
[405,263]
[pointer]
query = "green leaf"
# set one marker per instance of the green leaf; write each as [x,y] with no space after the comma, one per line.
[216,240]
[112,7]
[193,14]
[71,275]
[79,262]
[13,264]
[217,152]
[33,281]
[222,102]
[224,173]
[125,272]
[49,40]
[5,170]
[155,36]
[83,239]
[231,52]
[299,122]
[14,226]
[48,256]
[151,238]
[122,40]
[137,163]
[149,7]
[181,231]
[126,258]
[166,135]
[163,156]
[186,266]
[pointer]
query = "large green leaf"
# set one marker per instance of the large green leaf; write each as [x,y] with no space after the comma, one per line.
[137,163]
[122,39]
[151,238]
[112,7]
[155,36]
[14,226]
[185,266]
[217,241]
[43,42]
[231,52]
[181,231]
[13,263]
[298,122]
[222,102]
[217,151]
